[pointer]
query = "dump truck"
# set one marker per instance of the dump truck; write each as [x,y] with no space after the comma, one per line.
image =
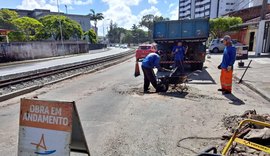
[193,33]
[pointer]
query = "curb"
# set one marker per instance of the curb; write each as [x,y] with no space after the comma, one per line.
[253,89]
[18,93]
[33,88]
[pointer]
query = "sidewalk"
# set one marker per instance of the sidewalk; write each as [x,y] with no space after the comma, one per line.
[257,77]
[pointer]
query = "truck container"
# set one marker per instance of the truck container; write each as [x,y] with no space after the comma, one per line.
[193,33]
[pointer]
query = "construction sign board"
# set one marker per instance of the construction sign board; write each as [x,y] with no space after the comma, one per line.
[50,128]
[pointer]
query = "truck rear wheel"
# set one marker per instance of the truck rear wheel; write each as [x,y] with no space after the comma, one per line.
[197,66]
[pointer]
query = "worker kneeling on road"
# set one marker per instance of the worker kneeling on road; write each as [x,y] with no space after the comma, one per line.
[150,62]
[226,66]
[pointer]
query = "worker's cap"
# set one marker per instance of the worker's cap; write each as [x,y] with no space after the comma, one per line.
[227,38]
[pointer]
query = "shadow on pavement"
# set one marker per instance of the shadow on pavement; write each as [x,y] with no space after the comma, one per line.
[234,100]
[201,77]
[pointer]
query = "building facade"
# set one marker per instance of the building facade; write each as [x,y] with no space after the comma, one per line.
[83,20]
[189,9]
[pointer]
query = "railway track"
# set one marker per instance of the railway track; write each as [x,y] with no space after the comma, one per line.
[26,77]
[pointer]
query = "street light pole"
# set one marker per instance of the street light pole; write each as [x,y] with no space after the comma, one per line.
[60,25]
[264,9]
[66,9]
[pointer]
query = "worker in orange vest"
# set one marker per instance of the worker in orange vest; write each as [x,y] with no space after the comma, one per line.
[226,66]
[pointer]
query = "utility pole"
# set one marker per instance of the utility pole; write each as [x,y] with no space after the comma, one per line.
[60,25]
[264,9]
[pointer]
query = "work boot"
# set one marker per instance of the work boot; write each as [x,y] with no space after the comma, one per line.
[226,92]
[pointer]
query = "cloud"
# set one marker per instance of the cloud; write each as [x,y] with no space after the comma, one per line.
[153,10]
[80,2]
[50,4]
[174,13]
[152,2]
[36,4]
[171,5]
[119,12]
[122,2]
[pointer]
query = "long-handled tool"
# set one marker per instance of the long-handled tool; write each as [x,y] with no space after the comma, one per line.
[245,72]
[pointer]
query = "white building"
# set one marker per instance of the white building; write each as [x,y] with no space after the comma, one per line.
[212,8]
[226,6]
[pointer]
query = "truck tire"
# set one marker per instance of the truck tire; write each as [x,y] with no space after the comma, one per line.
[196,66]
[215,50]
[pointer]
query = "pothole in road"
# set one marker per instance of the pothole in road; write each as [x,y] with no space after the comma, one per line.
[128,90]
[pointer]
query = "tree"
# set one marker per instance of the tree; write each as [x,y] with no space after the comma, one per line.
[70,28]
[128,37]
[115,32]
[28,26]
[95,17]
[148,22]
[91,36]
[6,16]
[219,26]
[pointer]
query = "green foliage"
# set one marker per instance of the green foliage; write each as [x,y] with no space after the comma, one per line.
[115,32]
[148,22]
[91,36]
[95,17]
[219,26]
[16,36]
[70,28]
[6,16]
[28,26]
[128,37]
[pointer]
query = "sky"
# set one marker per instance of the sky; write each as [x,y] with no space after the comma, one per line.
[124,12]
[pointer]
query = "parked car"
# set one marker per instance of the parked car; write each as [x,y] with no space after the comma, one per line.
[124,46]
[217,45]
[144,49]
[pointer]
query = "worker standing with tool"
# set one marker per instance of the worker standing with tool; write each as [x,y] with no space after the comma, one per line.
[150,62]
[179,52]
[226,66]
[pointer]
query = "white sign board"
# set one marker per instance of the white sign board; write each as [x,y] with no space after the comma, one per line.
[46,128]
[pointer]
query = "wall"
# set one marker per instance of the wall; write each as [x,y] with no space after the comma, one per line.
[35,50]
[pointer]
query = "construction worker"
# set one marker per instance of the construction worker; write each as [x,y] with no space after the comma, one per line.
[226,66]
[179,52]
[150,62]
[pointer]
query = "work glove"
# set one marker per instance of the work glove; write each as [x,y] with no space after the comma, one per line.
[219,66]
[229,68]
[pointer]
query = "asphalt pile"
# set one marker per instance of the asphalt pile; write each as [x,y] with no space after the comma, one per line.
[250,132]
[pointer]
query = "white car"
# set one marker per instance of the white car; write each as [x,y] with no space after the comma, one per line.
[217,45]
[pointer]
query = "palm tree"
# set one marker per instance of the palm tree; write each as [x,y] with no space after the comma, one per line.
[95,17]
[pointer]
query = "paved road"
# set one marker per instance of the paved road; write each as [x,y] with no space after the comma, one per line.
[118,119]
[31,66]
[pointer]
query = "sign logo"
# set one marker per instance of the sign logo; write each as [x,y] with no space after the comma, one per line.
[42,145]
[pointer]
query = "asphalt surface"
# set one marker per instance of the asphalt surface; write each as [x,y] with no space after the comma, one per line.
[32,66]
[118,119]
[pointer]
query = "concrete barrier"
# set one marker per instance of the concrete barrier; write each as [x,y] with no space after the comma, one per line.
[36,50]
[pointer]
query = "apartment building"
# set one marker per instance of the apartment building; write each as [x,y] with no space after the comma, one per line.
[189,9]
